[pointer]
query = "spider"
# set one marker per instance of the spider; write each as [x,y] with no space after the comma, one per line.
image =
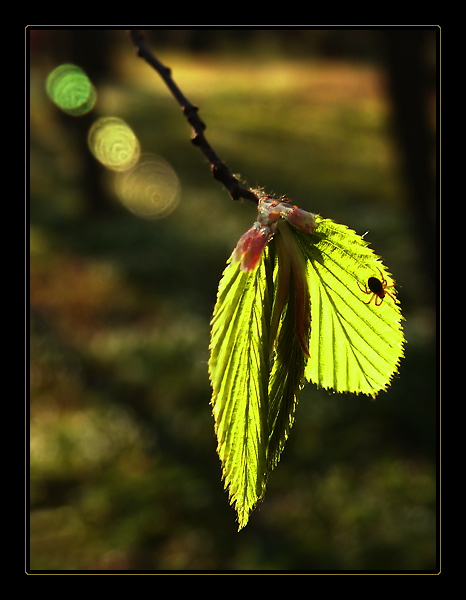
[378,289]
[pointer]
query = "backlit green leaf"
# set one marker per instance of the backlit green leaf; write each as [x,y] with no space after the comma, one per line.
[355,346]
[291,344]
[239,373]
[293,306]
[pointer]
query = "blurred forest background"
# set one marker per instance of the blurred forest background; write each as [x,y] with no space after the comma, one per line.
[124,471]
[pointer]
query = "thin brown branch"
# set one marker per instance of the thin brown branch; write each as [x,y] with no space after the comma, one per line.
[219,169]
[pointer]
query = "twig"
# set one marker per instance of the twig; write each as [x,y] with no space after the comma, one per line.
[219,169]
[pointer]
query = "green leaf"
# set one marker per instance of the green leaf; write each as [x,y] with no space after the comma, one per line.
[239,373]
[355,346]
[257,364]
[291,344]
[293,306]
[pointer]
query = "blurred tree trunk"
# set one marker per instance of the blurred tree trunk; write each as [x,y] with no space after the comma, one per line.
[411,84]
[91,50]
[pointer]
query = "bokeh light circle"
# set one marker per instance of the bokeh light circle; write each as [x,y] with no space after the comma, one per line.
[151,189]
[70,89]
[113,143]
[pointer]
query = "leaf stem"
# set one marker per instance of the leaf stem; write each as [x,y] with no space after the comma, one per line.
[219,169]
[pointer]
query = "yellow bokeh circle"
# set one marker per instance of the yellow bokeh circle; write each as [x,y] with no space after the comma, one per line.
[151,189]
[114,143]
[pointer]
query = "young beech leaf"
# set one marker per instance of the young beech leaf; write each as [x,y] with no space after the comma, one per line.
[291,344]
[239,373]
[255,381]
[355,346]
[295,303]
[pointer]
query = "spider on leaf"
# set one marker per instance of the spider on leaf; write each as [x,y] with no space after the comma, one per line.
[378,289]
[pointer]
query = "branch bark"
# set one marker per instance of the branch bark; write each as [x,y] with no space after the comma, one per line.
[219,169]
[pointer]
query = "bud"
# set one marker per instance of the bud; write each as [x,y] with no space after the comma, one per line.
[301,219]
[250,245]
